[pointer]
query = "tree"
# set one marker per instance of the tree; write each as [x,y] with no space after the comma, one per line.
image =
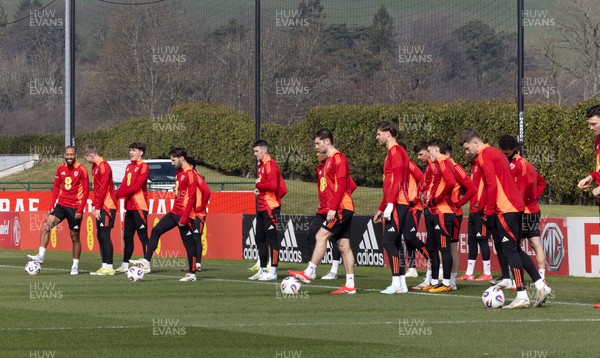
[574,52]
[484,49]
[381,32]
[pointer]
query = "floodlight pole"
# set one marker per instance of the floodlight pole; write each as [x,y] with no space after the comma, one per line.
[69,72]
[520,75]
[257,69]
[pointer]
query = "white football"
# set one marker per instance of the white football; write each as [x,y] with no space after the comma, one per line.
[290,286]
[135,274]
[493,297]
[33,268]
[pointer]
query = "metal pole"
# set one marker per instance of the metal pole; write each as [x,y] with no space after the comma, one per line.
[69,72]
[257,69]
[520,75]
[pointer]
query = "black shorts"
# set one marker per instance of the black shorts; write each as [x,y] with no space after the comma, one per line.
[411,224]
[456,228]
[531,225]
[477,230]
[440,228]
[62,212]
[107,219]
[340,225]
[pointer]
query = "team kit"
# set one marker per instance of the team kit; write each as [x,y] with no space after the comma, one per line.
[502,190]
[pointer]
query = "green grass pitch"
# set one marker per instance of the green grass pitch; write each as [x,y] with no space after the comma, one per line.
[225,315]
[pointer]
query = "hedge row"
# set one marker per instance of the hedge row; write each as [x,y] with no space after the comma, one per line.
[557,139]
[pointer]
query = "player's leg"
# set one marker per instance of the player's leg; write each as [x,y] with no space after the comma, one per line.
[198,228]
[336,258]
[327,230]
[413,244]
[271,219]
[261,243]
[343,244]
[444,226]
[141,225]
[531,231]
[431,279]
[496,229]
[315,225]
[348,258]
[472,248]
[455,242]
[187,237]
[129,228]
[392,243]
[103,227]
[481,232]
[74,230]
[509,228]
[99,225]
[49,224]
[165,224]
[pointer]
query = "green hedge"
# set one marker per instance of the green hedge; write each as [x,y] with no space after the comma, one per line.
[557,139]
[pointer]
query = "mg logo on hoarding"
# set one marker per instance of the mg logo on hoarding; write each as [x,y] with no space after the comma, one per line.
[554,246]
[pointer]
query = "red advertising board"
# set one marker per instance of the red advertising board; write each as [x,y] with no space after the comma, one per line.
[22,215]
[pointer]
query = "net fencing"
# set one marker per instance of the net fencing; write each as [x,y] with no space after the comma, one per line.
[140,58]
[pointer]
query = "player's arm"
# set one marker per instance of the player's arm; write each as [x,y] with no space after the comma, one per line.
[85,186]
[126,190]
[191,197]
[465,182]
[417,174]
[102,188]
[268,182]
[55,188]
[520,174]
[448,174]
[491,187]
[342,176]
[540,185]
[205,190]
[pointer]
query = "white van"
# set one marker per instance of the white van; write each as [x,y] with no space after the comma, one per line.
[162,173]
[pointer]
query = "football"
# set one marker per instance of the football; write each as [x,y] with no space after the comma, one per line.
[135,274]
[290,286]
[493,297]
[33,268]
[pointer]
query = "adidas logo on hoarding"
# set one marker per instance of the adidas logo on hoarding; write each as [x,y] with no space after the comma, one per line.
[289,251]
[369,253]
[250,251]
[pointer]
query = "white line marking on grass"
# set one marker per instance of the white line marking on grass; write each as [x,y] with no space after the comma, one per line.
[578,304]
[308,324]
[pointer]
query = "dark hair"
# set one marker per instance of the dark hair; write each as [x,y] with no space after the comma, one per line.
[323,134]
[178,152]
[448,148]
[468,134]
[507,142]
[437,143]
[388,126]
[191,161]
[261,143]
[70,146]
[138,145]
[593,111]
[90,149]
[402,145]
[421,145]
